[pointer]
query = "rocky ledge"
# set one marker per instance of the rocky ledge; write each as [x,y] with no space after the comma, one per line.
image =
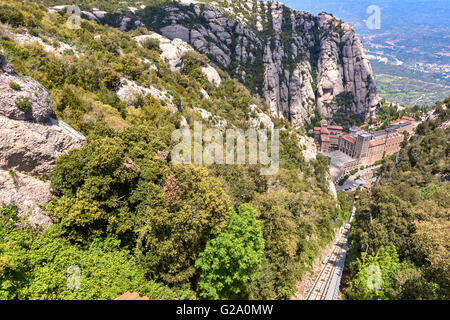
[30,143]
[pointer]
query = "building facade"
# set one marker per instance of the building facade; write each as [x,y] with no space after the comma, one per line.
[365,147]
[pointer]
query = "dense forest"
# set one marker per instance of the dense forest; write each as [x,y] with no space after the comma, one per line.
[125,215]
[400,240]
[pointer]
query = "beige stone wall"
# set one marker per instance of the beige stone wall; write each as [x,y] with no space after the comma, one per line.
[375,154]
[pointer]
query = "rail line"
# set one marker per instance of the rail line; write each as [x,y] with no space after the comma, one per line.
[322,283]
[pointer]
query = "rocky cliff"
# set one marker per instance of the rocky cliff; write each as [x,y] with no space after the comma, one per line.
[295,61]
[30,142]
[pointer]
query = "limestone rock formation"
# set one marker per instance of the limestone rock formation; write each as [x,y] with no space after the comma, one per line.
[295,61]
[129,90]
[30,142]
[28,193]
[173,50]
[13,89]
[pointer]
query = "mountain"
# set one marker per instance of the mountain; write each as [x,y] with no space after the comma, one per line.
[409,53]
[295,61]
[111,201]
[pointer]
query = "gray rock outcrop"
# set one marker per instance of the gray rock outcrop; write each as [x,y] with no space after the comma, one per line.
[30,142]
[27,193]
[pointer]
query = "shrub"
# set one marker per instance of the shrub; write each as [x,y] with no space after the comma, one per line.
[193,60]
[23,104]
[14,86]
[152,44]
[11,15]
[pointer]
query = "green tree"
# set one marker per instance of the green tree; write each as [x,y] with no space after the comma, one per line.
[180,217]
[230,261]
[38,266]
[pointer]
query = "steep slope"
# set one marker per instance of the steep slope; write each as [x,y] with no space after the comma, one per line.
[292,59]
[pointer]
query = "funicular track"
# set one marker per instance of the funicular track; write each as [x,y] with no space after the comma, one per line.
[322,284]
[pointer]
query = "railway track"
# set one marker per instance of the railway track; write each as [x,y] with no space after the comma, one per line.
[320,287]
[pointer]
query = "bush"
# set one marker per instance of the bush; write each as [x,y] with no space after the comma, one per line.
[11,16]
[23,104]
[342,181]
[14,86]
[193,60]
[152,44]
[232,260]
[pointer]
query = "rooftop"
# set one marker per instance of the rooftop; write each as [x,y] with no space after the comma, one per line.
[131,296]
[349,138]
[375,143]
[408,118]
[335,128]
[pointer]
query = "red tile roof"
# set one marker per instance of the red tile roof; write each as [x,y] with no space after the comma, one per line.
[375,143]
[349,138]
[131,296]
[335,128]
[324,138]
[408,118]
[324,131]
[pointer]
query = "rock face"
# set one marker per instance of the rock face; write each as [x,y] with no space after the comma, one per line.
[40,109]
[173,50]
[27,146]
[27,192]
[29,138]
[296,61]
[30,142]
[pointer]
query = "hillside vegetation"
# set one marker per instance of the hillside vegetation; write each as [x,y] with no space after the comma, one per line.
[401,234]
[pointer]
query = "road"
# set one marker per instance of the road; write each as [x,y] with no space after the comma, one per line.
[353,183]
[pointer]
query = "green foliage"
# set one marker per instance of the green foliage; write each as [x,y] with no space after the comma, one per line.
[23,103]
[192,64]
[35,267]
[408,211]
[174,232]
[342,181]
[119,202]
[14,86]
[8,217]
[232,260]
[296,223]
[14,178]
[383,277]
[152,44]
[11,15]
